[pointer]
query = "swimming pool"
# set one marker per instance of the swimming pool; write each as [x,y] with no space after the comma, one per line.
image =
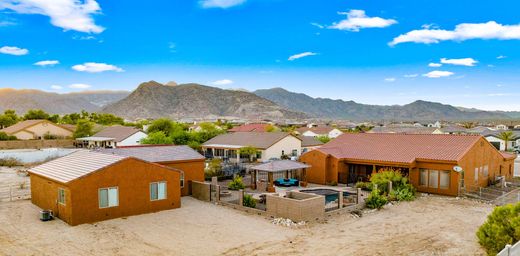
[330,195]
[35,155]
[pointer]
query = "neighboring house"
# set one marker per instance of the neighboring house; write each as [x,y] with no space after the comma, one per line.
[86,186]
[405,130]
[493,138]
[270,145]
[453,129]
[309,143]
[427,159]
[113,137]
[179,157]
[37,129]
[328,131]
[435,125]
[251,128]
[501,127]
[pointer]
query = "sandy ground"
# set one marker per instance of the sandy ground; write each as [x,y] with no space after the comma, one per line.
[8,176]
[428,226]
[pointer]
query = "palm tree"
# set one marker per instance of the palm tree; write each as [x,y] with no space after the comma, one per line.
[468,125]
[506,137]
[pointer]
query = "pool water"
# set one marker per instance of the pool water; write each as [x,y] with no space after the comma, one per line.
[330,194]
[35,155]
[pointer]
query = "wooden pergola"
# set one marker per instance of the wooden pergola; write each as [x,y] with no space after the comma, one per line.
[278,166]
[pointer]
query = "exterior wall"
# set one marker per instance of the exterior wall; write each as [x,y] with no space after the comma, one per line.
[133,178]
[193,171]
[297,206]
[319,164]
[44,194]
[24,135]
[287,145]
[133,140]
[453,188]
[42,128]
[36,144]
[201,191]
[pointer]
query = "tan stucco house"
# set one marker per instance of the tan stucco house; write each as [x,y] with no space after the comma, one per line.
[37,129]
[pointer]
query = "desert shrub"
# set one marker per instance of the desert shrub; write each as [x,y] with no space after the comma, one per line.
[249,201]
[214,169]
[367,186]
[383,176]
[49,136]
[10,162]
[375,200]
[404,192]
[4,136]
[332,183]
[502,227]
[236,184]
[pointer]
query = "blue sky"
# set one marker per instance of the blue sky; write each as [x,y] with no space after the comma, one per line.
[375,52]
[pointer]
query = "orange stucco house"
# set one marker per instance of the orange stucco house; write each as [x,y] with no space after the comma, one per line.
[87,186]
[428,160]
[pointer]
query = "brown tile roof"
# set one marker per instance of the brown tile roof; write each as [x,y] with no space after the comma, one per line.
[28,123]
[118,132]
[399,148]
[507,155]
[260,140]
[280,165]
[317,130]
[250,128]
[157,154]
[309,141]
[75,165]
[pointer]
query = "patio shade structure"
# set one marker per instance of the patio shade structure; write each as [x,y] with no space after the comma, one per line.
[277,166]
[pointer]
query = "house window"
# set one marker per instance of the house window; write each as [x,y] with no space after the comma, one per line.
[61,196]
[283,152]
[157,190]
[182,179]
[423,177]
[433,179]
[444,179]
[108,197]
[259,155]
[294,152]
[476,175]
[486,170]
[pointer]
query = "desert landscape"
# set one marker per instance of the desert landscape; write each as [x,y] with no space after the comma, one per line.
[430,225]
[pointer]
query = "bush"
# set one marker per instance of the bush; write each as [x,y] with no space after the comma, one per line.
[214,169]
[367,186]
[49,136]
[4,136]
[375,200]
[502,227]
[10,162]
[249,201]
[403,193]
[383,176]
[332,183]
[236,184]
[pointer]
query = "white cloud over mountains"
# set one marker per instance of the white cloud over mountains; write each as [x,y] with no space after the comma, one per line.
[301,55]
[222,82]
[220,3]
[93,67]
[462,32]
[357,20]
[67,14]
[13,50]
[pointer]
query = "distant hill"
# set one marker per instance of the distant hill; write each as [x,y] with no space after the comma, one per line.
[339,109]
[155,100]
[23,100]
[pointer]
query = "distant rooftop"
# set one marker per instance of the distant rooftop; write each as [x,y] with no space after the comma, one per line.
[156,154]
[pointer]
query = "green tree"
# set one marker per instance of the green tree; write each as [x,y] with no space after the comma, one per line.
[323,138]
[165,125]
[249,151]
[8,118]
[506,136]
[502,227]
[83,129]
[54,118]
[5,136]
[34,114]
[157,138]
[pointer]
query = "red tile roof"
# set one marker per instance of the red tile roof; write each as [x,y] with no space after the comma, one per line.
[250,128]
[508,155]
[399,148]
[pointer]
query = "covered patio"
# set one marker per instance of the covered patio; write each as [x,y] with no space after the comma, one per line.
[285,171]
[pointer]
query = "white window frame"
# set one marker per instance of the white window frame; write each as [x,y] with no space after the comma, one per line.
[108,197]
[486,170]
[165,190]
[476,174]
[182,179]
[61,195]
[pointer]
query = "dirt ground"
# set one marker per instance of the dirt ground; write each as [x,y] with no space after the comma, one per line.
[430,225]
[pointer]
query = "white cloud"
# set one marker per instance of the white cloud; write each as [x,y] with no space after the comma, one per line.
[301,55]
[462,32]
[13,50]
[221,3]
[357,19]
[67,14]
[6,23]
[438,74]
[501,57]
[56,87]
[79,86]
[93,67]
[390,79]
[434,65]
[469,62]
[411,75]
[500,85]
[222,82]
[44,63]
[317,25]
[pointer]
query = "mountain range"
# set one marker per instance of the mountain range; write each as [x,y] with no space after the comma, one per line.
[154,100]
